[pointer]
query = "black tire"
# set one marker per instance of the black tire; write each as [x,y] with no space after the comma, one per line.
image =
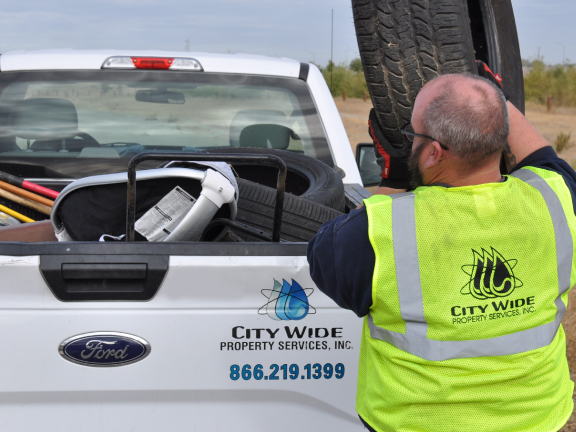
[307,178]
[301,218]
[496,43]
[405,43]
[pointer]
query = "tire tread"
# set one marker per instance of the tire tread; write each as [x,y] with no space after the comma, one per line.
[301,218]
[403,45]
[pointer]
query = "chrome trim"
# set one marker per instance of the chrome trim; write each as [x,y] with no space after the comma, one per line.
[51,180]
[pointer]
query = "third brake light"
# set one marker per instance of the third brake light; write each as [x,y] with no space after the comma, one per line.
[156,63]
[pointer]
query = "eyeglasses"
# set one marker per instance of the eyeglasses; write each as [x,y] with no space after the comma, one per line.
[408,132]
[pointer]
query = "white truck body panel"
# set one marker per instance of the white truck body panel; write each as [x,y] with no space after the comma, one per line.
[186,377]
[209,314]
[77,60]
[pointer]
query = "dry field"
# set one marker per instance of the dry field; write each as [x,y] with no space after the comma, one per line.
[354,113]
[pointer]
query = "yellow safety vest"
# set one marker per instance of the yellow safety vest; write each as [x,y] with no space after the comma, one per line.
[469,289]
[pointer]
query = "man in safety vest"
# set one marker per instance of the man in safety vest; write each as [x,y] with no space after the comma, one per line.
[462,282]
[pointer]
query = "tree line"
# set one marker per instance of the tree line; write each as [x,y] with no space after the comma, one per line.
[347,78]
[558,82]
[541,81]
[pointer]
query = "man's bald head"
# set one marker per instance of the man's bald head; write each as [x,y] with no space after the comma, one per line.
[467,113]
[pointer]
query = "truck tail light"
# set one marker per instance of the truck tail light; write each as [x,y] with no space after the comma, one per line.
[152,62]
[155,63]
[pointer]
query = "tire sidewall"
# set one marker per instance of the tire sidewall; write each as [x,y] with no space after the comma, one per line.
[505,59]
[301,218]
[325,185]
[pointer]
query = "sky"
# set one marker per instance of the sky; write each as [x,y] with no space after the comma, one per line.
[298,29]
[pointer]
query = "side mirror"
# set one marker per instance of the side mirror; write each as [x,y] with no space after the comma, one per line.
[370,171]
[160,96]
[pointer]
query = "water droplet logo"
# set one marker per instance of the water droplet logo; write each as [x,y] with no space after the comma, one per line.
[491,275]
[287,302]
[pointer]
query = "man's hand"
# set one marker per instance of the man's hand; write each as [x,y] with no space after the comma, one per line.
[485,72]
[393,160]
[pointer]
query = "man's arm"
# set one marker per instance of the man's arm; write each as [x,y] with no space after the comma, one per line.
[526,147]
[523,140]
[342,261]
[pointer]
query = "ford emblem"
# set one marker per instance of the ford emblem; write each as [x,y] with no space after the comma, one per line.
[104,349]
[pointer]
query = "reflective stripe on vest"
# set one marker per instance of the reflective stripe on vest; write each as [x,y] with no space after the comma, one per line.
[415,340]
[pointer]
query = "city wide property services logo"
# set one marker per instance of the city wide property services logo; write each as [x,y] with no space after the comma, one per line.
[287,302]
[491,275]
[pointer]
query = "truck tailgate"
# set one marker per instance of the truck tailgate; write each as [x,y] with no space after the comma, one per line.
[234,345]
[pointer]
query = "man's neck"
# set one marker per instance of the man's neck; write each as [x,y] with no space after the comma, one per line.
[488,174]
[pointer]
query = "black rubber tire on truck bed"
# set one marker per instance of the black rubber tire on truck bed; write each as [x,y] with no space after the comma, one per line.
[301,218]
[405,43]
[307,178]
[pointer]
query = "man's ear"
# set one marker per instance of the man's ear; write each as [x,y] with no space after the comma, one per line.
[433,155]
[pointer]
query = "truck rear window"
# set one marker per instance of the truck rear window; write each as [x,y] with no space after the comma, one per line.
[73,124]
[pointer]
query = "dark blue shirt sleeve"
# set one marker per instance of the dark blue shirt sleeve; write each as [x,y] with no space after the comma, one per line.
[547,158]
[342,261]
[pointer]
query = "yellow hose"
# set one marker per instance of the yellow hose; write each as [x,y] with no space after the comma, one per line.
[15,214]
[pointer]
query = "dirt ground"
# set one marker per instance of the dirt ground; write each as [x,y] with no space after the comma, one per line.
[354,113]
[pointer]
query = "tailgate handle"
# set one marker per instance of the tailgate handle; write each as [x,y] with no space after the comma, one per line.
[103,271]
[104,277]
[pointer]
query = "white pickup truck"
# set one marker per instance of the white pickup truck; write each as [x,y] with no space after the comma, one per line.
[189,335]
